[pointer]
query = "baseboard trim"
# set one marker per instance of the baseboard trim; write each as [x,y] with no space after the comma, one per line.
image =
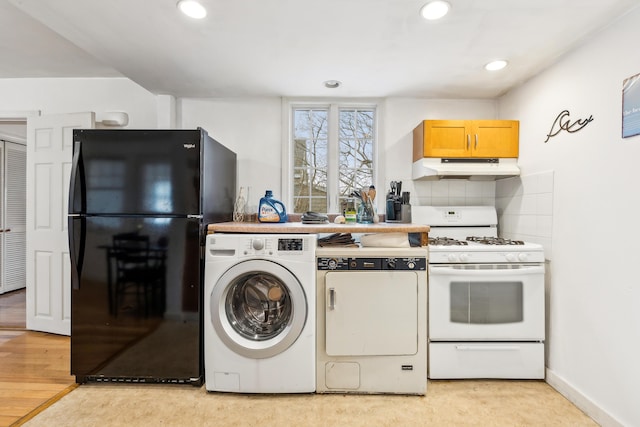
[585,404]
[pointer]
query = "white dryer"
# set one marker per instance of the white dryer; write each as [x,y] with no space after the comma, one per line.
[372,320]
[260,313]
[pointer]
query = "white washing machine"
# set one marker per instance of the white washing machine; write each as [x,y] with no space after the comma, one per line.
[260,313]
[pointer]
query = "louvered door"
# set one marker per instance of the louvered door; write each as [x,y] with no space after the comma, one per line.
[13,216]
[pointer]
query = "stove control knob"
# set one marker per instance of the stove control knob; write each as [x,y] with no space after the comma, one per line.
[391,264]
[511,257]
[411,265]
[464,257]
[332,264]
[523,256]
[258,244]
[452,257]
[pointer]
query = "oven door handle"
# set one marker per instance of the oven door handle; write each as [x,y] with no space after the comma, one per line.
[441,270]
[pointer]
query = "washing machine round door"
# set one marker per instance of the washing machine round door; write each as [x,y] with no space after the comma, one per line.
[258,308]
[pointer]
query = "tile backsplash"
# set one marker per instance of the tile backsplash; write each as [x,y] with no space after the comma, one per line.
[525,208]
[524,203]
[454,192]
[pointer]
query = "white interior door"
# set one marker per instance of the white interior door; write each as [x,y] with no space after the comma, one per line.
[49,155]
[13,242]
[2,281]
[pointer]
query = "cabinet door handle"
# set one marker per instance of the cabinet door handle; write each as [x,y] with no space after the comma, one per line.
[332,298]
[6,230]
[468,141]
[476,147]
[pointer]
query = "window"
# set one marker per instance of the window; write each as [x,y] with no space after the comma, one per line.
[106,181]
[157,187]
[333,150]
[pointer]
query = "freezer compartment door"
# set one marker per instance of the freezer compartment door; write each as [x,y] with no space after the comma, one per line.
[136,301]
[148,172]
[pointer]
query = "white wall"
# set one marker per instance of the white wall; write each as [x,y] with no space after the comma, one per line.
[252,128]
[594,312]
[51,96]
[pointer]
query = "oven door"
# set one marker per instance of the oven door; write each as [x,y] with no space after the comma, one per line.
[486,302]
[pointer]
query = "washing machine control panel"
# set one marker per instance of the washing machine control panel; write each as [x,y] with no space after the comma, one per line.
[257,244]
[273,246]
[371,263]
[290,245]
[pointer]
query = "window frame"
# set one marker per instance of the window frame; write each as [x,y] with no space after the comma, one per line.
[333,162]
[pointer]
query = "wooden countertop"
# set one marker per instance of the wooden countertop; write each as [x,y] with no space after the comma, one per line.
[299,227]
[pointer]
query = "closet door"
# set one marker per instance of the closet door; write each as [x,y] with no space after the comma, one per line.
[2,205]
[13,188]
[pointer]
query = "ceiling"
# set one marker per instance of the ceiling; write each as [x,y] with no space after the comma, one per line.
[376,48]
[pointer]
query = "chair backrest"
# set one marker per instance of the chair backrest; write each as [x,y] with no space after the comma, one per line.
[131,241]
[131,251]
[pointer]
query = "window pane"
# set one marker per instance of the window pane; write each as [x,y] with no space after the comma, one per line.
[310,159]
[310,124]
[356,150]
[485,303]
[106,180]
[157,192]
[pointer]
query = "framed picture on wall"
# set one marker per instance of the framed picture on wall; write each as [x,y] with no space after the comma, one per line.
[631,106]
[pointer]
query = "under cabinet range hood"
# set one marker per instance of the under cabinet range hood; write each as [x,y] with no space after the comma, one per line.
[478,169]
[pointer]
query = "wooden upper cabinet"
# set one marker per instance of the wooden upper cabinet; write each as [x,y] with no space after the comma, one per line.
[466,139]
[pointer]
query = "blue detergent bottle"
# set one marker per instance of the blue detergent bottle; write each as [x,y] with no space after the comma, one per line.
[270,209]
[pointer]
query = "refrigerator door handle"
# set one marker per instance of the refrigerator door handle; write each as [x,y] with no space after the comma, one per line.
[76,254]
[77,152]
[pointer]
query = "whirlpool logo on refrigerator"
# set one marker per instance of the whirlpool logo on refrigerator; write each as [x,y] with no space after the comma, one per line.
[189,146]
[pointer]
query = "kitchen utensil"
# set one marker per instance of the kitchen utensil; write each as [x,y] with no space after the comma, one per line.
[372,192]
[405,198]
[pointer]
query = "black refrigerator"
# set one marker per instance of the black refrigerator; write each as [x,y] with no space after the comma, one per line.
[139,204]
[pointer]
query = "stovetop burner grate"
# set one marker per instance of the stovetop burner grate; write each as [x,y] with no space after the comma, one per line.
[494,241]
[480,240]
[446,241]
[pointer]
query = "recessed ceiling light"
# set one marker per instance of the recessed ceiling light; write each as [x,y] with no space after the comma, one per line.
[496,65]
[192,9]
[332,84]
[435,10]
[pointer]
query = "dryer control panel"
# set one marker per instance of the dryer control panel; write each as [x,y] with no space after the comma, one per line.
[371,263]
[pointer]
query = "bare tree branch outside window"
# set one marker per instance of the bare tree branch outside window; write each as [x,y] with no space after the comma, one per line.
[310,151]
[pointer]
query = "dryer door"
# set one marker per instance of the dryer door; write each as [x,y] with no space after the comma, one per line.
[258,308]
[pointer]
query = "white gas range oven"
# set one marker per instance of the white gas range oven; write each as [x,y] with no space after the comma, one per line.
[486,297]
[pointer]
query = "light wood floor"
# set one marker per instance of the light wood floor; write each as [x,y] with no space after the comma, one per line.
[13,310]
[34,366]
